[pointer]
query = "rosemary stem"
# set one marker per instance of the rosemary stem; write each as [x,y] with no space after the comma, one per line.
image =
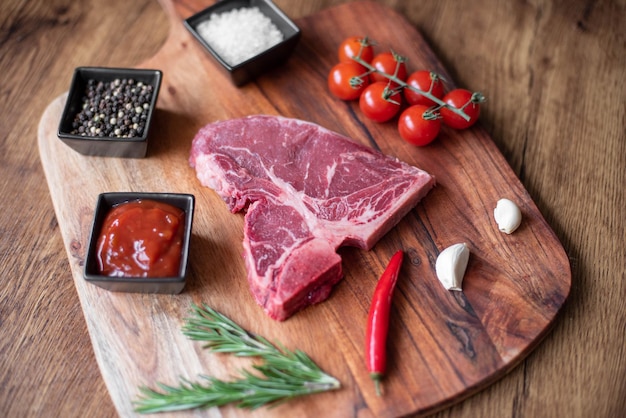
[282,375]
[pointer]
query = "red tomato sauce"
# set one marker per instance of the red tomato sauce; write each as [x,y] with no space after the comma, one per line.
[141,238]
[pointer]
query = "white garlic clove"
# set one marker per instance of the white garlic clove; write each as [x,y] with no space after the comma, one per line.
[451,264]
[507,215]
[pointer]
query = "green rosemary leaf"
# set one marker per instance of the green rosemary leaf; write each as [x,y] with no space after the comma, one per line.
[283,374]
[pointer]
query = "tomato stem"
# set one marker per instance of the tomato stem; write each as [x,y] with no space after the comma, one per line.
[357,82]
[431,114]
[388,93]
[399,61]
[428,94]
[434,77]
[477,97]
[363,43]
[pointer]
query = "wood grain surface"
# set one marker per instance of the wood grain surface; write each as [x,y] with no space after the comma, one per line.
[527,57]
[443,345]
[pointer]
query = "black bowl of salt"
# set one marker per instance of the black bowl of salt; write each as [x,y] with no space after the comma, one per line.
[246,37]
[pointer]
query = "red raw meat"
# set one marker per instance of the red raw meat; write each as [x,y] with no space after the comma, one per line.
[307,191]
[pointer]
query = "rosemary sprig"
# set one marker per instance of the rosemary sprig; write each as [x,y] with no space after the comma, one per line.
[282,375]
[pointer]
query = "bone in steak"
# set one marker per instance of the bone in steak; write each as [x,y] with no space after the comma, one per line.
[307,191]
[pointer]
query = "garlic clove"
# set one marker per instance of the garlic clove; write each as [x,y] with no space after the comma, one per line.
[507,215]
[451,264]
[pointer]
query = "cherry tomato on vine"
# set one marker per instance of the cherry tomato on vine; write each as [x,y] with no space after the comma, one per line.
[419,125]
[378,103]
[425,81]
[346,80]
[386,62]
[352,46]
[465,100]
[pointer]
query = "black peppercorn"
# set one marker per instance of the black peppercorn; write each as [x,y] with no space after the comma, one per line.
[114,109]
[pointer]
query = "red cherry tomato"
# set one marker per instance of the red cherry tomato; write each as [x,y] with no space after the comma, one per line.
[465,100]
[425,81]
[387,62]
[353,46]
[419,125]
[378,104]
[346,82]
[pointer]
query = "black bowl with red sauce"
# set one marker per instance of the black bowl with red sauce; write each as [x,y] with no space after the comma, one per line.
[142,271]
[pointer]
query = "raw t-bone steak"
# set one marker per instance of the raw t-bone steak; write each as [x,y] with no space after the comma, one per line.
[307,192]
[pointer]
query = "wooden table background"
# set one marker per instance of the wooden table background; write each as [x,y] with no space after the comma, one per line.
[554,73]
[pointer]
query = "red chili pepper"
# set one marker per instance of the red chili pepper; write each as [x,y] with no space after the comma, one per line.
[378,320]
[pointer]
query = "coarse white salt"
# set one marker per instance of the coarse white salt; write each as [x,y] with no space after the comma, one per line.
[239,34]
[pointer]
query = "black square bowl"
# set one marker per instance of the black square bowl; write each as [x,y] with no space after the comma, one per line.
[171,285]
[253,67]
[107,146]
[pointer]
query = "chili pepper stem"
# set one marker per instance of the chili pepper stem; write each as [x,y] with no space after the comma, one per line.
[377,377]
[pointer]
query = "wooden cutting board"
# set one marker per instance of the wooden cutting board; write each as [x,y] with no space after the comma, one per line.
[443,346]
